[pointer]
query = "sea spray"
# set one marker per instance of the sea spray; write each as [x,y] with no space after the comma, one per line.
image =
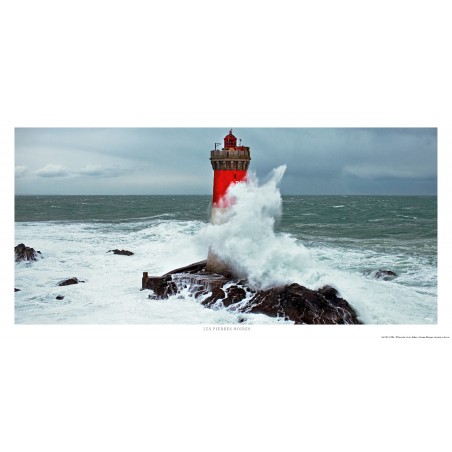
[246,238]
[248,241]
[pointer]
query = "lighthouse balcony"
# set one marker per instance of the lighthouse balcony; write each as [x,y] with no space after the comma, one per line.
[243,153]
[236,165]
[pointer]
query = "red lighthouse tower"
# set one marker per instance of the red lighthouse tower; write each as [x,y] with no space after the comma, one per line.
[230,165]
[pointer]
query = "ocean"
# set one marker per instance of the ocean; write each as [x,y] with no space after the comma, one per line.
[342,241]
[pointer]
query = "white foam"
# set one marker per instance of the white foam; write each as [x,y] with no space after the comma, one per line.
[246,237]
[111,292]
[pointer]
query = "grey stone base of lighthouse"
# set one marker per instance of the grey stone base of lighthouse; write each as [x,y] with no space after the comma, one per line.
[217,265]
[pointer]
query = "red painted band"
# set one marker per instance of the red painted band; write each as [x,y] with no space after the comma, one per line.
[221,181]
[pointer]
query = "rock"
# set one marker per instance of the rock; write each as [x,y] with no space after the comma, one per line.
[16,290]
[171,289]
[292,302]
[266,302]
[121,252]
[302,305]
[25,253]
[235,294]
[330,293]
[198,293]
[59,297]
[158,284]
[386,275]
[217,294]
[70,281]
[194,275]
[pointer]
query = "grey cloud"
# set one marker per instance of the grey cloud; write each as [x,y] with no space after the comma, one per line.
[100,171]
[52,170]
[20,170]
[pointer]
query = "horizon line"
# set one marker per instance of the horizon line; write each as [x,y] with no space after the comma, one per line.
[209,194]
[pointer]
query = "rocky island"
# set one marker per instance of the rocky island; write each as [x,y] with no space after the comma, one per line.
[292,302]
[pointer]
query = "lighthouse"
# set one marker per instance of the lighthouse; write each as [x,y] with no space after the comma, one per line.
[230,165]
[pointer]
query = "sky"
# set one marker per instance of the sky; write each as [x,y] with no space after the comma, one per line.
[145,161]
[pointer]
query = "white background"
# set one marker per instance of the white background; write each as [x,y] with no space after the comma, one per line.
[249,64]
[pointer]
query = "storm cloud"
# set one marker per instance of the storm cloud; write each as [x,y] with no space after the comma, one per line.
[176,160]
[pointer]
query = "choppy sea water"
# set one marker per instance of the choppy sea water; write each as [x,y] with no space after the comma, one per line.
[313,240]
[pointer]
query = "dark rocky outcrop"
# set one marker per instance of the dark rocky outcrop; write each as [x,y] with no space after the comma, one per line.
[217,294]
[16,290]
[158,284]
[234,295]
[25,253]
[291,302]
[385,274]
[302,305]
[195,275]
[59,297]
[162,286]
[121,252]
[70,281]
[228,296]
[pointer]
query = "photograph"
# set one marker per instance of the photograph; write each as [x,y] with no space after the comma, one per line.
[230,225]
[244,226]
